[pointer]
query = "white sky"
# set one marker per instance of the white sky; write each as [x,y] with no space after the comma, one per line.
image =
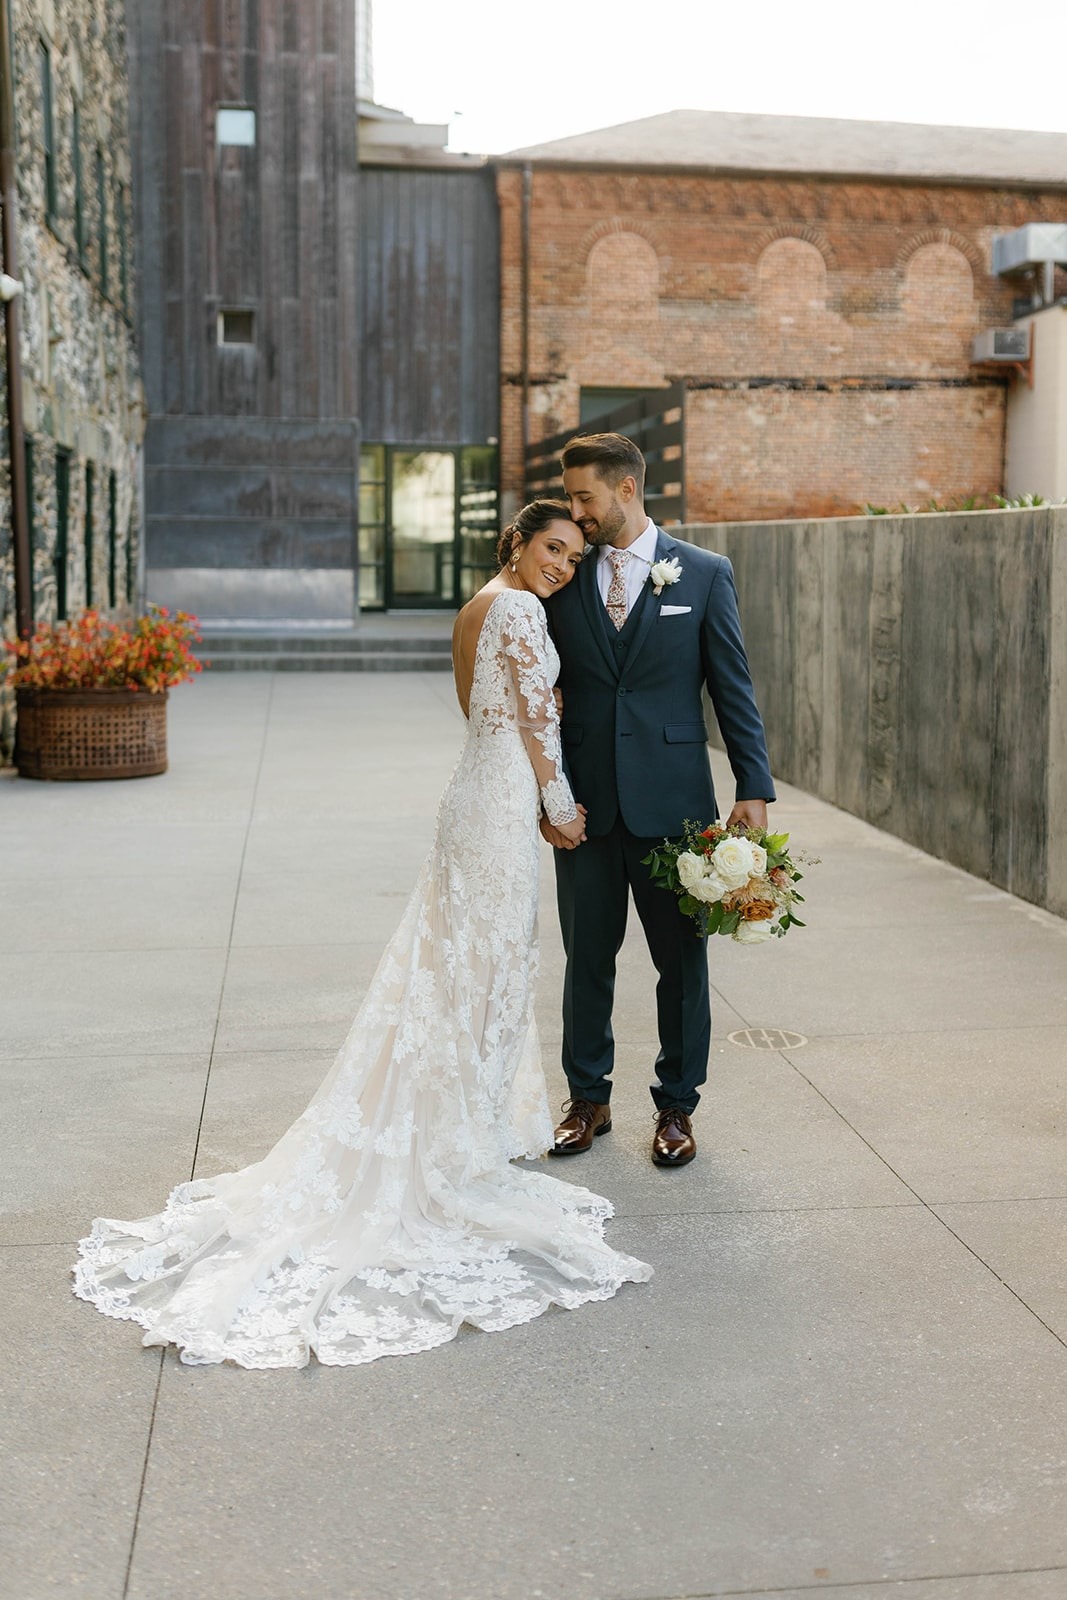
[507,73]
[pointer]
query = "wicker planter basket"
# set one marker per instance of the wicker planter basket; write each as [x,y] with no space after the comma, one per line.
[83,734]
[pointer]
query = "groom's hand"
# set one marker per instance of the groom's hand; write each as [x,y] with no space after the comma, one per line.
[749,813]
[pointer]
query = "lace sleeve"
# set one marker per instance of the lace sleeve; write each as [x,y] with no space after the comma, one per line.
[524,640]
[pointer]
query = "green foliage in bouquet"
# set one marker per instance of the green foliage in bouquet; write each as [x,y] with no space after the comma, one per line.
[737,881]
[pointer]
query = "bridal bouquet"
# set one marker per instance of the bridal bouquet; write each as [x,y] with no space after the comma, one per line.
[737,881]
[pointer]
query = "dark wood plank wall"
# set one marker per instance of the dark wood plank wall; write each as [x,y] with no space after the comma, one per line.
[429,286]
[252,450]
[271,228]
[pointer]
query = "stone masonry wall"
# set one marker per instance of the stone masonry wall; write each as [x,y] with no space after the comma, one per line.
[824,328]
[81,379]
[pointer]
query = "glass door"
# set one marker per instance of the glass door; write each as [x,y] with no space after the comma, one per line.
[427,525]
[422,556]
[478,530]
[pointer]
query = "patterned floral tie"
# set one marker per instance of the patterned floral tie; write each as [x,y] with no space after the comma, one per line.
[616,601]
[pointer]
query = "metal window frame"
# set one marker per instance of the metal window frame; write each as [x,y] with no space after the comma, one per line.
[87,531]
[389,599]
[101,205]
[81,237]
[48,131]
[62,556]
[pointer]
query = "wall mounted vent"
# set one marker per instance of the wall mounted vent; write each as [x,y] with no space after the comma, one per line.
[1002,344]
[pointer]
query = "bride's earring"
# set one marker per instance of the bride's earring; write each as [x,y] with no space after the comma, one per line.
[514,560]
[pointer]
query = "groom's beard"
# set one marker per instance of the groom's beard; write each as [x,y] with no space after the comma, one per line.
[604,531]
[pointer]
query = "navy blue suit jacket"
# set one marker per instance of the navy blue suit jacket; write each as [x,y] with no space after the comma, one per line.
[634,737]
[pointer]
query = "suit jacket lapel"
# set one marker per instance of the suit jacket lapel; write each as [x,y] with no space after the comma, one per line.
[664,548]
[594,606]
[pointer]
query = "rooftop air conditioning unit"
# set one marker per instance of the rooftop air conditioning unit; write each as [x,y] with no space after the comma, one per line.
[1002,344]
[1030,246]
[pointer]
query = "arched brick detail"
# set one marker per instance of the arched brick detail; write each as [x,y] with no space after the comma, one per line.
[622,272]
[939,286]
[615,225]
[958,241]
[805,232]
[791,275]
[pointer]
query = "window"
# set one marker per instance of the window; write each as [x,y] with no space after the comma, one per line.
[594,403]
[237,327]
[88,533]
[62,530]
[124,254]
[79,184]
[31,507]
[101,206]
[235,125]
[112,542]
[372,485]
[46,338]
[131,563]
[48,135]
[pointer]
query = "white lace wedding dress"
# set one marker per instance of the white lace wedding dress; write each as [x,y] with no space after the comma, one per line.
[389,1213]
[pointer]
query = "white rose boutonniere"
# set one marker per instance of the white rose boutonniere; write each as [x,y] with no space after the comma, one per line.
[664,573]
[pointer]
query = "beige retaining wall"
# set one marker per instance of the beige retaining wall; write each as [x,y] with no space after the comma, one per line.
[913,670]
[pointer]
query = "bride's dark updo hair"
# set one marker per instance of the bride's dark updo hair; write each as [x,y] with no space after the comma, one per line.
[534,518]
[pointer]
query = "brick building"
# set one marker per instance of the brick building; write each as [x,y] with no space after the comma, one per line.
[816,284]
[81,385]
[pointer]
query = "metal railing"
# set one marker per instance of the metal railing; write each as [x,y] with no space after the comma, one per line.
[656,424]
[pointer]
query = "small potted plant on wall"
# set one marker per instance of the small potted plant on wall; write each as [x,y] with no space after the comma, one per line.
[91,695]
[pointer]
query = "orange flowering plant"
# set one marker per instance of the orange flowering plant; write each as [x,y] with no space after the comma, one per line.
[737,881]
[91,652]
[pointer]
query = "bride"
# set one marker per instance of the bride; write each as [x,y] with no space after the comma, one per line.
[389,1213]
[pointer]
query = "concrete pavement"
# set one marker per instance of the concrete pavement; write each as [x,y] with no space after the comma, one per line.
[847,1378]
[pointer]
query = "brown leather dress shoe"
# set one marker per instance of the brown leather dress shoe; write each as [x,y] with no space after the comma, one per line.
[673,1144]
[583,1121]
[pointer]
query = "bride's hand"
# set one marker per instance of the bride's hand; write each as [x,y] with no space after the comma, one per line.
[564,835]
[574,832]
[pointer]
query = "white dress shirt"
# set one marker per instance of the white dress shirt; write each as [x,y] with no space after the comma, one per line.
[642,554]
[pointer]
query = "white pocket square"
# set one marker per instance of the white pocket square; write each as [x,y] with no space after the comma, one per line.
[673,611]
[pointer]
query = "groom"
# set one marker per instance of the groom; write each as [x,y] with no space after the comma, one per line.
[637,644]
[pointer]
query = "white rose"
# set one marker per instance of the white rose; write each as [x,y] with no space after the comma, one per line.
[754,932]
[759,859]
[690,869]
[734,862]
[699,878]
[710,889]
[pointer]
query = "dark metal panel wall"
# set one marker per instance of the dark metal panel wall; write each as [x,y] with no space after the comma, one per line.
[429,281]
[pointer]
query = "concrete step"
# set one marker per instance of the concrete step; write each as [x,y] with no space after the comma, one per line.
[381,649]
[328,661]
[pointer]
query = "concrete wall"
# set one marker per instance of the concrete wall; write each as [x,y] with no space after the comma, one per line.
[913,670]
[1036,446]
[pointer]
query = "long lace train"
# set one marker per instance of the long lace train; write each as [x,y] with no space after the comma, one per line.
[389,1213]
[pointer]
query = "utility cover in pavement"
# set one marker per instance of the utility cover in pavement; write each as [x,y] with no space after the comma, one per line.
[767,1039]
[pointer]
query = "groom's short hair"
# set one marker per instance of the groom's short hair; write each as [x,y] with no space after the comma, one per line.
[613,455]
